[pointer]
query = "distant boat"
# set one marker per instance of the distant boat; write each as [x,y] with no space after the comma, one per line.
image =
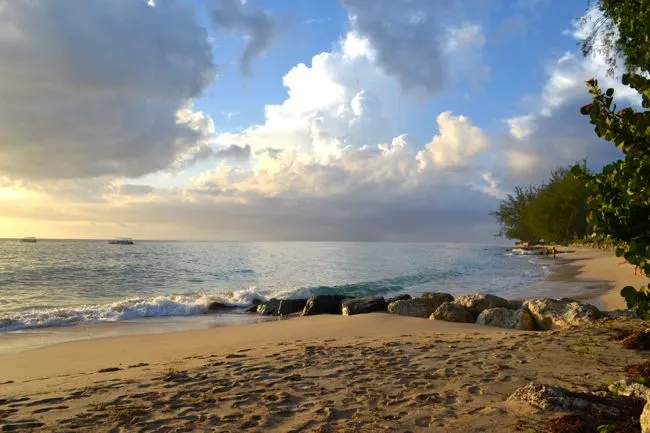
[29,239]
[121,241]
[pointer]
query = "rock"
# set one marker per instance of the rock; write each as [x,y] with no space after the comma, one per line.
[629,388]
[324,304]
[515,304]
[216,306]
[507,318]
[404,297]
[554,398]
[438,297]
[621,314]
[290,306]
[639,340]
[254,304]
[645,419]
[363,305]
[452,312]
[269,308]
[418,307]
[560,313]
[477,302]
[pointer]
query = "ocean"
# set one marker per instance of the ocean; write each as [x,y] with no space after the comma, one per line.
[70,283]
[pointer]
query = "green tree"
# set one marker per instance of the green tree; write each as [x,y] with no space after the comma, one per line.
[511,215]
[620,32]
[558,212]
[619,199]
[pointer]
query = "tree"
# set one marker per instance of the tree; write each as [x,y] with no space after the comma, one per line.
[511,213]
[558,212]
[619,196]
[620,31]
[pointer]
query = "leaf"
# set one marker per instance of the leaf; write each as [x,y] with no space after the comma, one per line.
[620,251]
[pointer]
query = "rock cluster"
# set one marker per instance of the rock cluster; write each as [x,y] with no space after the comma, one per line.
[540,314]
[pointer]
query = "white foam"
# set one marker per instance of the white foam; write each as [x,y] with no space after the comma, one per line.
[132,308]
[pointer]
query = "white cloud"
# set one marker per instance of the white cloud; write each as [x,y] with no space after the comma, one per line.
[458,142]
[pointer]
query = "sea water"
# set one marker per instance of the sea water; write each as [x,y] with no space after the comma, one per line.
[71,283]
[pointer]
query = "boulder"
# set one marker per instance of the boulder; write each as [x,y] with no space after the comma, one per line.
[554,398]
[269,308]
[507,318]
[560,313]
[515,304]
[438,297]
[477,302]
[324,304]
[629,388]
[217,306]
[621,314]
[418,307]
[644,419]
[290,306]
[254,304]
[363,305]
[403,297]
[452,312]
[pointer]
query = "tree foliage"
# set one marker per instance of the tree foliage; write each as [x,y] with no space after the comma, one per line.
[619,30]
[553,211]
[619,196]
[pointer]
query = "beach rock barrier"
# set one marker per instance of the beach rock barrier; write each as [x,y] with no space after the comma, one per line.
[560,313]
[452,312]
[507,318]
[363,305]
[541,314]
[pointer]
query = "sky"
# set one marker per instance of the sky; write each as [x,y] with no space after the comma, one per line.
[296,120]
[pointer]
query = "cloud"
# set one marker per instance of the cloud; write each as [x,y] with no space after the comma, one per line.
[457,144]
[556,134]
[239,153]
[259,27]
[108,99]
[416,42]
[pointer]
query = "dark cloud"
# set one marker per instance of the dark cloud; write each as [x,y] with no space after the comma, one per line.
[94,88]
[239,153]
[413,39]
[260,28]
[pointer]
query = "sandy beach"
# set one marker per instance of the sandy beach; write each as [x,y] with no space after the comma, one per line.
[375,372]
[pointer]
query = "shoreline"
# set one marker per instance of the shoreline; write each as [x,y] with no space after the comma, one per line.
[585,274]
[369,372]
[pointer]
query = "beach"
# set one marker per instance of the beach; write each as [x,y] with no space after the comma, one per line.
[374,372]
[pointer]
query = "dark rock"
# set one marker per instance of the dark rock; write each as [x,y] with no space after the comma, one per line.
[324,304]
[638,340]
[363,305]
[254,304]
[417,307]
[404,297]
[621,314]
[216,306]
[290,306]
[516,304]
[269,308]
[109,370]
[452,312]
